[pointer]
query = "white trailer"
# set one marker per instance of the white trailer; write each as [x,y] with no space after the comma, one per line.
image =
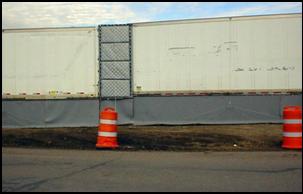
[236,54]
[50,63]
[154,73]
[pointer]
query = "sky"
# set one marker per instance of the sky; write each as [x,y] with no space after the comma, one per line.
[68,14]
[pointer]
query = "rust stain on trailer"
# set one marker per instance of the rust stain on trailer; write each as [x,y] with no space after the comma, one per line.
[217,50]
[252,69]
[281,68]
[231,42]
[182,51]
[173,48]
[239,69]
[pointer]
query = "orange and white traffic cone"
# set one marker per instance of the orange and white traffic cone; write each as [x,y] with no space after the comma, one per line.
[292,127]
[107,131]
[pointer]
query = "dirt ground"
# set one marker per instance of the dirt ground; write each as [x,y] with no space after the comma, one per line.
[257,137]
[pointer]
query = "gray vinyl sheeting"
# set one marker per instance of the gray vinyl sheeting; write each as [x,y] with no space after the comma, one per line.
[148,111]
[49,113]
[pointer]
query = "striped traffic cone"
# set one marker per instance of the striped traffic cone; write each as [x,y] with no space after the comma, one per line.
[107,131]
[292,127]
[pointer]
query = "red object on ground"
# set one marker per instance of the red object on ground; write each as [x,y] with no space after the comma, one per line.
[292,127]
[107,131]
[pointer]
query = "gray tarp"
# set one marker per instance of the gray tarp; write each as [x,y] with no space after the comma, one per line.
[211,109]
[148,110]
[49,113]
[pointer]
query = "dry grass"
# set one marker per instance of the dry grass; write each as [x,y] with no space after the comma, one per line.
[257,137]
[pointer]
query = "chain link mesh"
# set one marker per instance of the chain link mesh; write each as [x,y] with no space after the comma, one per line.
[115,61]
[115,51]
[114,34]
[115,88]
[115,70]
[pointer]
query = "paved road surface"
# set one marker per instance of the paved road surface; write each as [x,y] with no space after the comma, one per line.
[76,170]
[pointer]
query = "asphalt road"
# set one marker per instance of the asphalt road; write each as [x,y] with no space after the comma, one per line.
[76,170]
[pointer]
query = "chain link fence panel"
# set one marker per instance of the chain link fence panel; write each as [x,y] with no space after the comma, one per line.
[115,60]
[115,88]
[115,52]
[115,70]
[114,34]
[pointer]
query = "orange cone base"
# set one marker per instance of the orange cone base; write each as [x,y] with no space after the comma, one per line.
[107,143]
[106,146]
[291,147]
[292,144]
